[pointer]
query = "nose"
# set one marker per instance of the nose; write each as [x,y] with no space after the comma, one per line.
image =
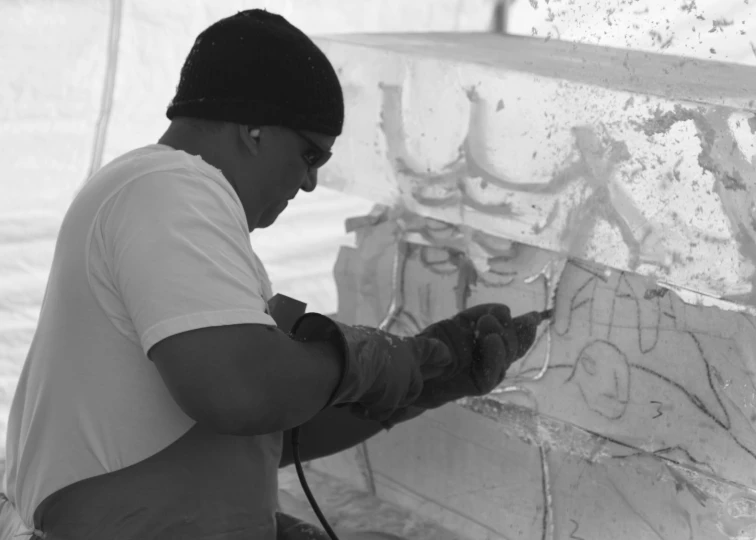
[311,180]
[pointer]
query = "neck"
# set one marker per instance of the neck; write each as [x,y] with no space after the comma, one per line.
[211,143]
[197,142]
[183,138]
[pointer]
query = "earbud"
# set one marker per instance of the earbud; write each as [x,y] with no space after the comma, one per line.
[254,133]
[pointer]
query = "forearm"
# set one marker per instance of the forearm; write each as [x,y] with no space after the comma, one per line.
[332,431]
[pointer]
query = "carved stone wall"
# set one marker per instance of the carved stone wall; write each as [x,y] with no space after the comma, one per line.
[613,186]
[632,160]
[631,417]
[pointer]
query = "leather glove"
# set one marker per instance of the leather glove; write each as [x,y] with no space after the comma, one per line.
[381,373]
[483,341]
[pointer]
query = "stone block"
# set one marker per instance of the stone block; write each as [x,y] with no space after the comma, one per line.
[635,161]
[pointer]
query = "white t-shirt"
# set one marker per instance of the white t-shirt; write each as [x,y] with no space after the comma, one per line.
[156,243]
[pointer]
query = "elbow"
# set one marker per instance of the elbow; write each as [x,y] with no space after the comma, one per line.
[246,417]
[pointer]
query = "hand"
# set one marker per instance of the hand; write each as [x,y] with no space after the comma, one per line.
[483,342]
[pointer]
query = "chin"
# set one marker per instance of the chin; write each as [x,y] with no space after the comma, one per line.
[264,223]
[267,219]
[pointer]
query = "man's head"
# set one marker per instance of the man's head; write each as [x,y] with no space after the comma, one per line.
[258,100]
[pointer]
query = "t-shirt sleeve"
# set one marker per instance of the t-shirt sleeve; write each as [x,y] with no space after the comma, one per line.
[178,252]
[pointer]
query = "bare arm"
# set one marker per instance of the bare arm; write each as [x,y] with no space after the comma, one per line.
[247,379]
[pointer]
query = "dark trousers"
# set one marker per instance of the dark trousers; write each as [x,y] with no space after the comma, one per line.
[291,528]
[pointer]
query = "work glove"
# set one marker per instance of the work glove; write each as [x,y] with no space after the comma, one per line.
[382,373]
[483,342]
[390,379]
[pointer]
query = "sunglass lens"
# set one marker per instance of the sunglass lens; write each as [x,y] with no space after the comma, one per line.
[316,158]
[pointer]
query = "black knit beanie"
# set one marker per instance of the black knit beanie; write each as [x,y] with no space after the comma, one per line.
[256,68]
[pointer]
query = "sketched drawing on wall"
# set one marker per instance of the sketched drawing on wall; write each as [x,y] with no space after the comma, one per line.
[641,374]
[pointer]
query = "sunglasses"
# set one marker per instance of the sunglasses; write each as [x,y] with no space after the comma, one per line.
[314,156]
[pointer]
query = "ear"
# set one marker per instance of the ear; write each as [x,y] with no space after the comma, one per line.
[250,137]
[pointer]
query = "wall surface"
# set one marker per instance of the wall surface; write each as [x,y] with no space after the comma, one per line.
[634,412]
[615,187]
[633,160]
[707,29]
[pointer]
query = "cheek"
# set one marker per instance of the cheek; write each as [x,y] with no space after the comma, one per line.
[296,175]
[298,168]
[285,175]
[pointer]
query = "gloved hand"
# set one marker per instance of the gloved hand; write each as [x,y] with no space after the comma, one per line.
[484,341]
[382,373]
[466,355]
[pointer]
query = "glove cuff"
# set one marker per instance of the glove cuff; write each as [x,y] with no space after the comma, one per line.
[319,328]
[380,371]
[402,415]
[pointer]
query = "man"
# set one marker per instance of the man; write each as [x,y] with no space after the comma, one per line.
[158,391]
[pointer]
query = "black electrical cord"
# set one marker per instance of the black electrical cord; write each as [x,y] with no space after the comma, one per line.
[305,487]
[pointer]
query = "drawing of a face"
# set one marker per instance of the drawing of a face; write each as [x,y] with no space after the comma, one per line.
[602,374]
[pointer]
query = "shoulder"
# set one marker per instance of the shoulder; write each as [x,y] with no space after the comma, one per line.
[171,188]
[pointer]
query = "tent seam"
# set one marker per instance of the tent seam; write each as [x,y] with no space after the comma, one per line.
[108,90]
